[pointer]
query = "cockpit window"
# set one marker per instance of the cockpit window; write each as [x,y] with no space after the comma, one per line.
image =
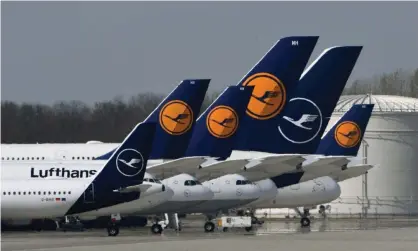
[157,181]
[191,183]
[243,182]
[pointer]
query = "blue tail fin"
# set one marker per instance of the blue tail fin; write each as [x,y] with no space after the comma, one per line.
[345,137]
[216,128]
[299,127]
[274,77]
[175,117]
[125,167]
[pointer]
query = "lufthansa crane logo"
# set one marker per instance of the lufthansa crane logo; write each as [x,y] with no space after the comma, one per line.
[347,134]
[303,127]
[268,97]
[129,162]
[176,117]
[222,121]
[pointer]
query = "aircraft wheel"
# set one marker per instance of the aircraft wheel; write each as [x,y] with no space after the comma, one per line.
[225,229]
[113,230]
[305,222]
[248,229]
[156,229]
[209,227]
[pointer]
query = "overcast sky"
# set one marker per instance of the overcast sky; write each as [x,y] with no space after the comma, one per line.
[93,51]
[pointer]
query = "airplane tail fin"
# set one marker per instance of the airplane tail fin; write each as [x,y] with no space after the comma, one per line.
[127,164]
[346,135]
[300,125]
[125,167]
[273,77]
[175,117]
[216,128]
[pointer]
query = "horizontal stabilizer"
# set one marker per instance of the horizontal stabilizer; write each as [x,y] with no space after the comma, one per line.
[177,166]
[271,166]
[351,172]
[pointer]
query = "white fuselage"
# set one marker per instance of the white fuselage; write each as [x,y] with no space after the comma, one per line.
[48,190]
[225,191]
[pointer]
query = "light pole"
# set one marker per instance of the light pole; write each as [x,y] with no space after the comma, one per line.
[364,183]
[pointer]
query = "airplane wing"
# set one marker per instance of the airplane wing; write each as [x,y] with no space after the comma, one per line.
[271,166]
[351,172]
[253,169]
[323,166]
[174,167]
[220,168]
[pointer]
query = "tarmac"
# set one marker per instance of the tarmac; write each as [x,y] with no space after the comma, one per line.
[284,235]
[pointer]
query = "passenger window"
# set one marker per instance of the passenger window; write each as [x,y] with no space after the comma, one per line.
[63,192]
[69,192]
[44,193]
[49,192]
[59,192]
[43,158]
[17,158]
[33,158]
[13,158]
[24,193]
[4,193]
[9,193]
[19,193]
[55,192]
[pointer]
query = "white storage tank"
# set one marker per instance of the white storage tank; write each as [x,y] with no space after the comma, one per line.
[391,141]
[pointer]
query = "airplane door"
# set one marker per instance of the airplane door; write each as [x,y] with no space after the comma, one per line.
[89,194]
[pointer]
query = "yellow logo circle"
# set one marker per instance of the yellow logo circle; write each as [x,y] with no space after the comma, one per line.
[347,134]
[222,121]
[268,97]
[176,117]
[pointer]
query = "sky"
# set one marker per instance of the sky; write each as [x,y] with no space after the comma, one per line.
[94,51]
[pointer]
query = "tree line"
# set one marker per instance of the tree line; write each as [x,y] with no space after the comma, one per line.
[110,121]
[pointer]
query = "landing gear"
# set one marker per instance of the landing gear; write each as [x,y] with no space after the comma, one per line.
[305,222]
[156,228]
[113,229]
[209,227]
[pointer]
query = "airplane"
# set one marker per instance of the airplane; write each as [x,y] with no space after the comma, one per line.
[186,98]
[270,95]
[115,183]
